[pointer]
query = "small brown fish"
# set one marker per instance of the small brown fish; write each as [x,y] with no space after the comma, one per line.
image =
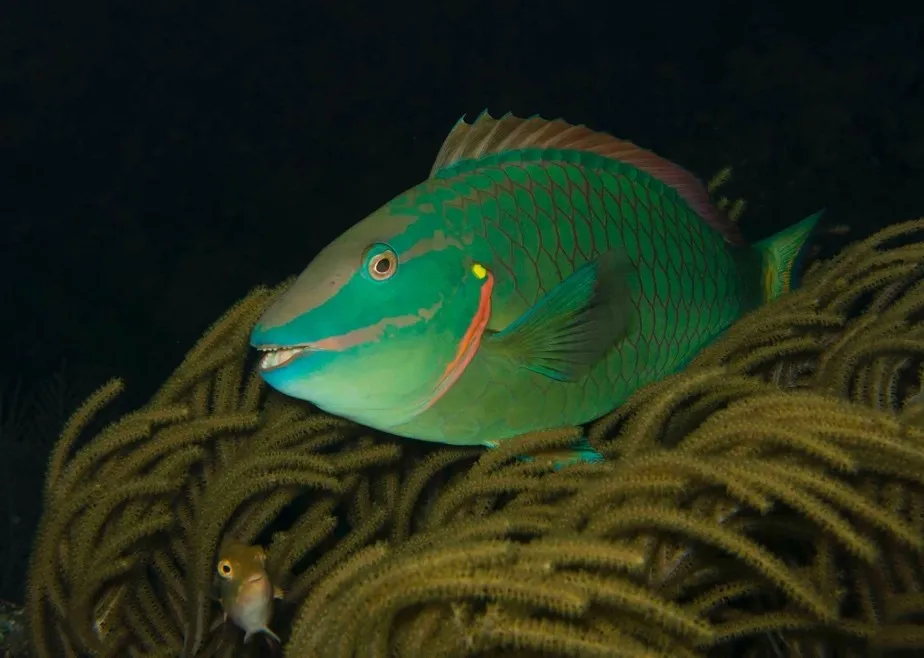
[246,591]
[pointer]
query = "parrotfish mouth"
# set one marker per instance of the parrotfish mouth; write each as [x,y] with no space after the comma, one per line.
[276,356]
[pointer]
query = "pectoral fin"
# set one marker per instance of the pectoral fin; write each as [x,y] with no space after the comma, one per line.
[579,452]
[573,326]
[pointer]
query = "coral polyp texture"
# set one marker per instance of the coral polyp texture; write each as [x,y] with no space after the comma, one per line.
[767,501]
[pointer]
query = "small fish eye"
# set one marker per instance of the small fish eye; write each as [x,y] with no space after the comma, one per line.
[225,569]
[384,265]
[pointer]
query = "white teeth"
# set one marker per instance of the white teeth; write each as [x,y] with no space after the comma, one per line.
[278,358]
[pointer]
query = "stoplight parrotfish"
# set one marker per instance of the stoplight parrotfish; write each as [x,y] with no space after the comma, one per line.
[540,275]
[246,590]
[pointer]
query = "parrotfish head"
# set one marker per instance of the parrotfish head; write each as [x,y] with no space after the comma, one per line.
[382,321]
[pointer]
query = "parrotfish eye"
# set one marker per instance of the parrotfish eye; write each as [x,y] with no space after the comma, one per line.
[382,262]
[225,570]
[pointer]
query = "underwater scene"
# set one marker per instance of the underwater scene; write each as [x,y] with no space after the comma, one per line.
[309,354]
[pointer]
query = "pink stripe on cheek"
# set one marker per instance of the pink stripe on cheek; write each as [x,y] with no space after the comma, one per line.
[374,332]
[348,340]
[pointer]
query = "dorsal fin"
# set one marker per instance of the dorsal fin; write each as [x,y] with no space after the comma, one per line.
[487,135]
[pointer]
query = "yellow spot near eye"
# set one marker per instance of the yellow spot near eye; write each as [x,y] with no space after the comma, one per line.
[479,271]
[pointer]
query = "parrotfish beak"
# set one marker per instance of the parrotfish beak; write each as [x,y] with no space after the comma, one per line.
[277,354]
[275,357]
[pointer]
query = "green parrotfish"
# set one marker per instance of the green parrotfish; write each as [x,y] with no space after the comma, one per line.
[540,275]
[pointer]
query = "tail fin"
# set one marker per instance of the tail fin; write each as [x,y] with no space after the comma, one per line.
[783,255]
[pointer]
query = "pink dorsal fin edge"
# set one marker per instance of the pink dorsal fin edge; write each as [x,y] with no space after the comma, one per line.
[487,135]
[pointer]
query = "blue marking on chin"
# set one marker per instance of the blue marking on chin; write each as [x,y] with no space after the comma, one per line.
[284,379]
[280,378]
